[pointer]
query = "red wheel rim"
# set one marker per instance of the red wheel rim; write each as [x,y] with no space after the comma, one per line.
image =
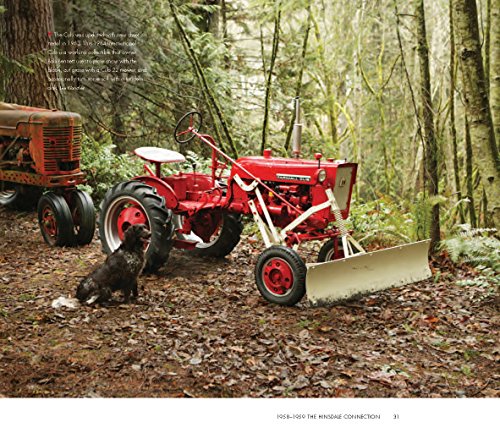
[277,276]
[131,215]
[208,227]
[49,222]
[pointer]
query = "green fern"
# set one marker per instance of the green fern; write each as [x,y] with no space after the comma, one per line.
[475,246]
[387,223]
[481,249]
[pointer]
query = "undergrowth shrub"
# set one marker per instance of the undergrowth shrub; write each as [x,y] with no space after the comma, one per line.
[104,168]
[385,222]
[479,248]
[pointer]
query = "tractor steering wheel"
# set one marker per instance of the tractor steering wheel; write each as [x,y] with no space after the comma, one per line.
[192,126]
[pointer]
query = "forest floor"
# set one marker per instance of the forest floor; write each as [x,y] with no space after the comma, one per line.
[201,329]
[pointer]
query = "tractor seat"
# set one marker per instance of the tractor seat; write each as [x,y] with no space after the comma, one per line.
[159,155]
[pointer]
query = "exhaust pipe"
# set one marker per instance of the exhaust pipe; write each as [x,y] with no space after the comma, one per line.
[297,130]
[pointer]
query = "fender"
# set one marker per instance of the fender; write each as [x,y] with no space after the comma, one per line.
[164,189]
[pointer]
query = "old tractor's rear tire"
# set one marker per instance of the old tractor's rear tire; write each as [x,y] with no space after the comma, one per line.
[19,197]
[83,215]
[56,223]
[131,203]
[224,238]
[280,275]
[327,251]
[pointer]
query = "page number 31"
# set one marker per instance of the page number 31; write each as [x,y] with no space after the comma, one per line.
[395,416]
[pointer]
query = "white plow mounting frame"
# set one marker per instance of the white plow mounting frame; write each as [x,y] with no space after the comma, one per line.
[358,272]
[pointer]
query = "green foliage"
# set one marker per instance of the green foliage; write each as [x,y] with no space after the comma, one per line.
[196,162]
[104,168]
[386,222]
[481,249]
[476,247]
[381,221]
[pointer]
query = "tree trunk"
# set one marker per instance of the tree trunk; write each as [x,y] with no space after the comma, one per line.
[495,67]
[431,166]
[487,45]
[468,178]
[329,94]
[477,104]
[453,128]
[274,53]
[27,24]
[298,85]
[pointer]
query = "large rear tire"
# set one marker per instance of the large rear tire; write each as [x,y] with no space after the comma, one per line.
[131,203]
[56,223]
[280,275]
[224,239]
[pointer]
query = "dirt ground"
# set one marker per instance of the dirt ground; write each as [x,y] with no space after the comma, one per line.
[201,329]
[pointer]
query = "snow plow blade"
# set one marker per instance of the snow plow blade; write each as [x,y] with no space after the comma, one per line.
[342,279]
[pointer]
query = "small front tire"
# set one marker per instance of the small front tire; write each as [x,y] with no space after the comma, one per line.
[327,252]
[280,275]
[83,215]
[56,223]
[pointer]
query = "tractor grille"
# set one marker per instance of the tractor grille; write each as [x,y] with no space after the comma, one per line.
[62,148]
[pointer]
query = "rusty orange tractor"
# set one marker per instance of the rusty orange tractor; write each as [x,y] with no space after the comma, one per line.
[40,150]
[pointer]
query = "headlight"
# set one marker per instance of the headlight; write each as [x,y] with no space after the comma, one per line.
[321,175]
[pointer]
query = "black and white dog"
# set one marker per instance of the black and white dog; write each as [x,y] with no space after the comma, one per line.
[120,270]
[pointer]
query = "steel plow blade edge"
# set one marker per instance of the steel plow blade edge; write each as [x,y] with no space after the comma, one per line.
[342,279]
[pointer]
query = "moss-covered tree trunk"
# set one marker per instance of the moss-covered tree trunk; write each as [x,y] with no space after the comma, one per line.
[494,65]
[26,28]
[453,128]
[477,104]
[469,173]
[274,53]
[430,143]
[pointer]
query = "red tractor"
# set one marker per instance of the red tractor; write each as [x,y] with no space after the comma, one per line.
[291,200]
[40,149]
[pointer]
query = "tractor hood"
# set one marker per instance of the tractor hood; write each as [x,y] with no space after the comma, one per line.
[284,170]
[15,120]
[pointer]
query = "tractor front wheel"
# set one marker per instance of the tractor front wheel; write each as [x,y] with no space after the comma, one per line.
[280,275]
[327,252]
[83,215]
[19,197]
[54,218]
[131,203]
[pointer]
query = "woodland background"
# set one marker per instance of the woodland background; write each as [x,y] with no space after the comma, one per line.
[403,88]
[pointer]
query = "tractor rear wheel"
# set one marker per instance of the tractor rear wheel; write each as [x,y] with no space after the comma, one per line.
[83,215]
[280,275]
[131,203]
[56,223]
[327,251]
[224,238]
[19,197]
